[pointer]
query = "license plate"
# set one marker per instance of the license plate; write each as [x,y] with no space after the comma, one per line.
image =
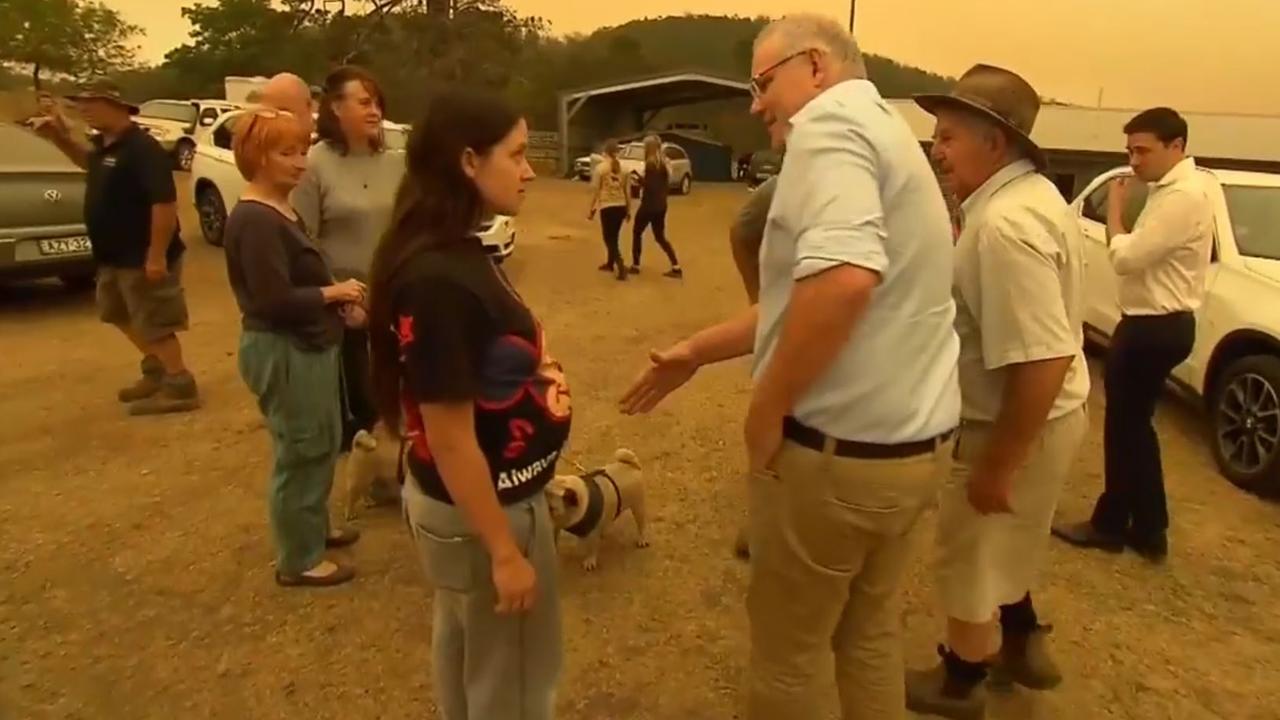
[65,246]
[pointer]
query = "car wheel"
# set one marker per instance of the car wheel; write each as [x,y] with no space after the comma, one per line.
[184,154]
[686,184]
[1245,411]
[213,214]
[79,282]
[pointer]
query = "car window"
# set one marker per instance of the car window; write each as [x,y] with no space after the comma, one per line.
[673,153]
[1255,219]
[181,112]
[222,134]
[23,148]
[632,152]
[1095,205]
[395,138]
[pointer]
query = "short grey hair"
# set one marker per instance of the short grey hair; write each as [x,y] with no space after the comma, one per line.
[803,31]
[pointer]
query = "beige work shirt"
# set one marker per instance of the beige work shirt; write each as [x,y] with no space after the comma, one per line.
[1018,289]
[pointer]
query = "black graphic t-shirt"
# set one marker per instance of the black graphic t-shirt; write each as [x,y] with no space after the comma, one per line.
[465,335]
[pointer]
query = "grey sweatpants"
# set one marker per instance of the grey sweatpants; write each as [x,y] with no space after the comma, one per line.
[488,666]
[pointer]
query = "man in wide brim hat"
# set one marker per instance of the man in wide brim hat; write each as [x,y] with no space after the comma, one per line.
[999,95]
[1018,284]
[106,91]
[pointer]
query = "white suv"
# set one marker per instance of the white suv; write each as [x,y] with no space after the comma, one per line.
[176,123]
[1235,363]
[216,185]
[631,157]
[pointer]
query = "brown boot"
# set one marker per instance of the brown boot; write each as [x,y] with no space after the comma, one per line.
[1025,659]
[177,394]
[147,385]
[939,691]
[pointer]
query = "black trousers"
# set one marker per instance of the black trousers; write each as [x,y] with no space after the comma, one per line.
[611,219]
[1144,350]
[357,387]
[646,217]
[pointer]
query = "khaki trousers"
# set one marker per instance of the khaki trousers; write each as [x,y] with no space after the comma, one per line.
[831,539]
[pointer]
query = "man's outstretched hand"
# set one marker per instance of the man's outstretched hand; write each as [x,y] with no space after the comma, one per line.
[668,370]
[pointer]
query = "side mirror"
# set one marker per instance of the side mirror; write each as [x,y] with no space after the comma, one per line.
[206,121]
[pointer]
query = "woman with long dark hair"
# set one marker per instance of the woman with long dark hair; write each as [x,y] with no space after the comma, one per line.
[612,199]
[345,202]
[653,207]
[461,359]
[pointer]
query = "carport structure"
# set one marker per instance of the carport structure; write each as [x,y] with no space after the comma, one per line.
[626,107]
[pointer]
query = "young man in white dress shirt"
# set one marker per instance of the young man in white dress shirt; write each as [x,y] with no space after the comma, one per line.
[855,396]
[1161,264]
[1023,384]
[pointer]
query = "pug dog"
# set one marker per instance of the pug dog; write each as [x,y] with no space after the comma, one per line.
[375,456]
[586,505]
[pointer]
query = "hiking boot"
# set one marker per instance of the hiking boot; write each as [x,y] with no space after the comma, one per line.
[177,394]
[147,385]
[1025,659]
[940,692]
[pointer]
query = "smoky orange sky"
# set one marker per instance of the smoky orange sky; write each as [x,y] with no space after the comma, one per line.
[1206,55]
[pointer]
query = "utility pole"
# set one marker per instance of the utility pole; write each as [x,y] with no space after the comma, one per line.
[853,7]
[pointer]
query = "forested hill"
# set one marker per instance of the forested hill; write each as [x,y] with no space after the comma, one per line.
[723,45]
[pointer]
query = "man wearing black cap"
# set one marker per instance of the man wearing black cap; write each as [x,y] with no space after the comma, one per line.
[1023,384]
[131,212]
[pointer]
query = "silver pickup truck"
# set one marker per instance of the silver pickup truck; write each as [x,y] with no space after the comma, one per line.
[42,232]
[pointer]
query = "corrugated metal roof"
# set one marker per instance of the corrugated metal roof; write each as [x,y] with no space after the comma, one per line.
[689,75]
[1074,128]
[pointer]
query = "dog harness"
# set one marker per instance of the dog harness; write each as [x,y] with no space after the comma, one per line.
[595,504]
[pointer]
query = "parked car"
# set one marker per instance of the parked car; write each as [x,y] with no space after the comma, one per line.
[631,156]
[216,185]
[764,165]
[1234,366]
[42,232]
[175,123]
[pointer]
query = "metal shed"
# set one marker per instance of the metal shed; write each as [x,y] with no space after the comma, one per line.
[626,107]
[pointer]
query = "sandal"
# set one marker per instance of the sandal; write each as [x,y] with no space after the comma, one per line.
[339,575]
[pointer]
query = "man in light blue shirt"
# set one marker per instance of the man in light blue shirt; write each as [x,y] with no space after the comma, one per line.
[856,393]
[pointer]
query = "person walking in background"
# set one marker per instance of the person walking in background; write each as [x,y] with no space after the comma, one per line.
[344,201]
[612,199]
[653,207]
[131,212]
[1023,383]
[462,360]
[292,316]
[1162,265]
[856,398]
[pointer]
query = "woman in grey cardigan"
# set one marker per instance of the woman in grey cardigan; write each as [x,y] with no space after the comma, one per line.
[345,202]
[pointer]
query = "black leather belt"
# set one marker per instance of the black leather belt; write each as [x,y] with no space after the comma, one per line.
[802,434]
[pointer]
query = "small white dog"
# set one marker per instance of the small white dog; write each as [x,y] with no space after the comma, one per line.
[375,456]
[586,505]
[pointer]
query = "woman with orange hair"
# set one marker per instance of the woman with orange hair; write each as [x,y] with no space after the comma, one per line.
[293,314]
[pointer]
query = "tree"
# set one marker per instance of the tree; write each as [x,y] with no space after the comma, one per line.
[80,38]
